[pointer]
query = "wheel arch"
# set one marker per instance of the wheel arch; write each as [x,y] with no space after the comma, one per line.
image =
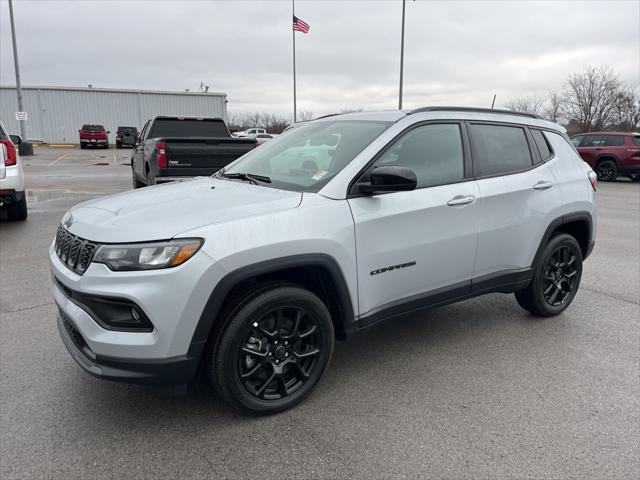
[578,224]
[606,156]
[320,273]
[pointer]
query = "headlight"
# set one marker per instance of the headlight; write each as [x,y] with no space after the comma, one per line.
[148,256]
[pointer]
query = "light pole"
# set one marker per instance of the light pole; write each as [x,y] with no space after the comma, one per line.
[401,57]
[25,147]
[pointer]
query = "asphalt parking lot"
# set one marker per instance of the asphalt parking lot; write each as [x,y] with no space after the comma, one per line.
[479,389]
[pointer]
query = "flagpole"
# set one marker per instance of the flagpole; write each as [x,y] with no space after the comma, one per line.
[293,32]
[401,58]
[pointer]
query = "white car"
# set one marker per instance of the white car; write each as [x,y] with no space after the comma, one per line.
[342,223]
[12,194]
[251,132]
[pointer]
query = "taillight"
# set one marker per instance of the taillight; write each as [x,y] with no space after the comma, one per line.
[593,179]
[12,157]
[162,154]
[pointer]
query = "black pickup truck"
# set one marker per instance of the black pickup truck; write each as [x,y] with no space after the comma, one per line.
[174,148]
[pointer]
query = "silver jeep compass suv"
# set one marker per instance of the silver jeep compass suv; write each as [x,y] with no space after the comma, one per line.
[336,225]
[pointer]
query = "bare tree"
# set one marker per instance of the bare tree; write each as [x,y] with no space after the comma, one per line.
[589,98]
[553,109]
[304,115]
[627,111]
[527,104]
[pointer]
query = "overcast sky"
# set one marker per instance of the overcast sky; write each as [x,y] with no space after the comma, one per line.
[456,52]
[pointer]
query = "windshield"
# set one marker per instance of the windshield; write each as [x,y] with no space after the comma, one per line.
[308,156]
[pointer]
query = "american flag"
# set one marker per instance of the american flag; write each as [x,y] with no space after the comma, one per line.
[300,25]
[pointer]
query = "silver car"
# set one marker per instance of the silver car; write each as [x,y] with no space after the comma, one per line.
[12,193]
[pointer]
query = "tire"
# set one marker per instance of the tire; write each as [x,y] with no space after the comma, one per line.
[118,145]
[17,211]
[556,278]
[82,146]
[136,182]
[274,344]
[607,171]
[635,177]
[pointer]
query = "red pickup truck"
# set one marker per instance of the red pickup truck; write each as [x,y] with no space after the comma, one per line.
[93,135]
[610,154]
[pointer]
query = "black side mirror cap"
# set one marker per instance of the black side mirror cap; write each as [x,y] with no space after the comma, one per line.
[390,178]
[15,139]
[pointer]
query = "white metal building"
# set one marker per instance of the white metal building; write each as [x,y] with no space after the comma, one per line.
[55,114]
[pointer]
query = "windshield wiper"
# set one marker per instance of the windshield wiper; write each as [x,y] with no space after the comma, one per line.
[247,177]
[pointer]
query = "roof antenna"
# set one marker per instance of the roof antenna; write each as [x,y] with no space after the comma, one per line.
[494,101]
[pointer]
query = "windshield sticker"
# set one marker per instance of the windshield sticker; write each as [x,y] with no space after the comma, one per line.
[319,174]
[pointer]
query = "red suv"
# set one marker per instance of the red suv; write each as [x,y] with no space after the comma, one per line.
[93,135]
[610,153]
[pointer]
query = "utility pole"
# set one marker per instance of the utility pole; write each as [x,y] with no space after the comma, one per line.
[25,148]
[401,56]
[295,112]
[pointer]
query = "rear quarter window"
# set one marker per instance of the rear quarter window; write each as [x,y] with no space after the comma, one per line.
[546,152]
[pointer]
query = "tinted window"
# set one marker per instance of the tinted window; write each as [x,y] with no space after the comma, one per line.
[188,128]
[434,152]
[592,141]
[576,140]
[636,140]
[499,149]
[127,129]
[543,144]
[613,140]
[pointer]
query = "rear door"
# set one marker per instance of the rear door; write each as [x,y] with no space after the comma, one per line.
[590,148]
[415,245]
[518,197]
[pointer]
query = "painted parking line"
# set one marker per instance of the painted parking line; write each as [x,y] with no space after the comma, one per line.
[115,160]
[57,160]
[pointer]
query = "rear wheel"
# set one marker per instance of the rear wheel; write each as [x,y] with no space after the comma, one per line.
[607,171]
[274,346]
[118,145]
[17,211]
[83,146]
[136,183]
[556,278]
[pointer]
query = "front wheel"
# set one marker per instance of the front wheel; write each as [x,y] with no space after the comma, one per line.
[274,346]
[556,278]
[635,177]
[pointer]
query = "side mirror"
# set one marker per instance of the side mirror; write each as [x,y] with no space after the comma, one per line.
[15,139]
[391,178]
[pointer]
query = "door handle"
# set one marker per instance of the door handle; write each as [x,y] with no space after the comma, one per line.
[460,200]
[543,185]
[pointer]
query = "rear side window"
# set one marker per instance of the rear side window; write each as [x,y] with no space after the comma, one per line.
[188,128]
[542,143]
[613,140]
[499,149]
[636,140]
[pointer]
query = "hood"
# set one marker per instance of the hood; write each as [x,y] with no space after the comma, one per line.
[163,211]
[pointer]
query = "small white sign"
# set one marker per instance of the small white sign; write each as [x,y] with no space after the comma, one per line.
[21,116]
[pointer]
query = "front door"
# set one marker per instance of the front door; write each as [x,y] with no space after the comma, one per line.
[418,245]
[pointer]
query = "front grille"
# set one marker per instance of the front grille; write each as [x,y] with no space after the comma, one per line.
[75,252]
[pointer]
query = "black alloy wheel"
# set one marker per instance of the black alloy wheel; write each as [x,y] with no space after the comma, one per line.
[560,274]
[273,346]
[556,277]
[607,171]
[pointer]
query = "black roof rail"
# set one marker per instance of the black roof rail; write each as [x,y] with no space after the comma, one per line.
[473,109]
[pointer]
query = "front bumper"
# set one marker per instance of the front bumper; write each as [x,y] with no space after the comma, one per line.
[169,371]
[173,300]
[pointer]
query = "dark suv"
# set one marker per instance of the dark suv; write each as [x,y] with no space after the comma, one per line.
[610,153]
[127,136]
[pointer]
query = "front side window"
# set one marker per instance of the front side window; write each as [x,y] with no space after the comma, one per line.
[499,149]
[433,152]
[613,140]
[308,156]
